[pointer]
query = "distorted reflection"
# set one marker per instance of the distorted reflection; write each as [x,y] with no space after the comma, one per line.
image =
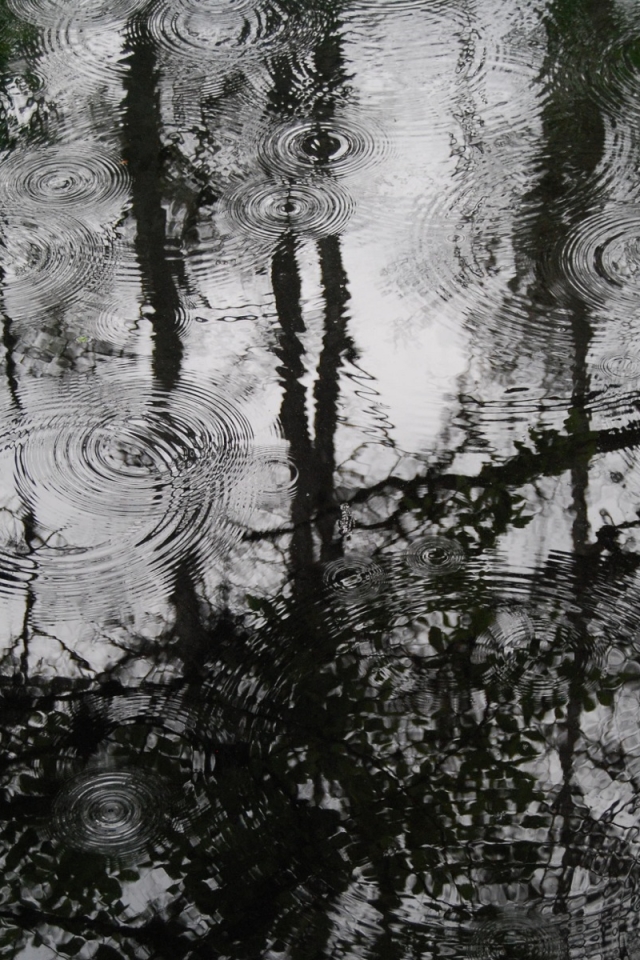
[319,483]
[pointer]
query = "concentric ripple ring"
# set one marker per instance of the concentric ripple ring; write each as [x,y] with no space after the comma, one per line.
[341,146]
[435,555]
[276,475]
[130,488]
[194,29]
[67,177]
[531,654]
[526,937]
[268,209]
[601,258]
[114,813]
[52,12]
[621,367]
[49,262]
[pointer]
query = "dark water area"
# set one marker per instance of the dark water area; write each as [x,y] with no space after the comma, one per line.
[320,479]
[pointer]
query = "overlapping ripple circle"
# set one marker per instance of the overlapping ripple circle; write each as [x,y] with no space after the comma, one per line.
[53,12]
[454,734]
[144,480]
[50,260]
[68,177]
[197,29]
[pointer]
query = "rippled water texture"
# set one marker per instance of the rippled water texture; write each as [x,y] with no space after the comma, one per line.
[74,177]
[319,480]
[46,12]
[108,813]
[272,209]
[215,28]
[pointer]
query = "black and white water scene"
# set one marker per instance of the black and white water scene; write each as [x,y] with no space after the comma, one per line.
[320,479]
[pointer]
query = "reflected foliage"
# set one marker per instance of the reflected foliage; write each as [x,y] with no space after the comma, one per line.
[334,697]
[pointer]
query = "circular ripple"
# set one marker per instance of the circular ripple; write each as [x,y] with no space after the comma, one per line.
[197,28]
[175,736]
[518,938]
[119,464]
[340,146]
[458,249]
[602,257]
[127,490]
[435,555]
[107,319]
[64,177]
[535,655]
[51,12]
[47,263]
[276,476]
[389,7]
[616,83]
[80,55]
[511,631]
[353,578]
[620,367]
[112,467]
[114,813]
[268,209]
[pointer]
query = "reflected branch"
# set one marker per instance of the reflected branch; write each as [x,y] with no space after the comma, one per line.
[552,455]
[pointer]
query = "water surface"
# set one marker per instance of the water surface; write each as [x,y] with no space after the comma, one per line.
[319,480]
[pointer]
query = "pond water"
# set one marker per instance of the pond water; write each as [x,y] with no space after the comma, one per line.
[320,479]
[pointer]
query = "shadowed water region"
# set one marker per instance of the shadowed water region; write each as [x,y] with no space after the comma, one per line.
[319,480]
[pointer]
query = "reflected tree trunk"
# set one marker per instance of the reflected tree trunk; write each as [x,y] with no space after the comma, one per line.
[143,153]
[190,633]
[310,91]
[335,346]
[567,191]
[163,277]
[9,342]
[285,279]
[315,501]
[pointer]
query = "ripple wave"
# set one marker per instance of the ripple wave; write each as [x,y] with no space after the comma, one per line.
[341,146]
[435,555]
[601,258]
[194,29]
[354,578]
[535,655]
[515,935]
[68,177]
[269,209]
[114,813]
[52,12]
[131,488]
[49,263]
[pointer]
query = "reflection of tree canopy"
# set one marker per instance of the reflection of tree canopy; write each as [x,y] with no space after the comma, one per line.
[405,752]
[338,755]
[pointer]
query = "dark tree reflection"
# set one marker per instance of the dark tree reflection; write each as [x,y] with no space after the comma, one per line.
[145,157]
[568,190]
[400,767]
[312,89]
